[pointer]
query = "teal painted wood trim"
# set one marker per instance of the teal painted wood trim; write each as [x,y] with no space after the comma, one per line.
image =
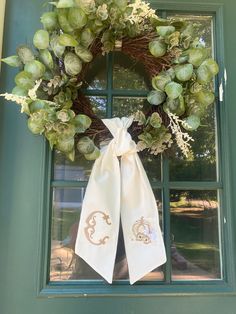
[92,289]
[44,219]
[177,185]
[196,7]
[117,92]
[228,222]
[166,218]
[110,61]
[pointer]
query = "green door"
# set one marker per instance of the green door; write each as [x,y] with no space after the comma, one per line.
[41,193]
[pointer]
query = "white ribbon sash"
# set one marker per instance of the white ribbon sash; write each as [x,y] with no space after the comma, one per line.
[120,190]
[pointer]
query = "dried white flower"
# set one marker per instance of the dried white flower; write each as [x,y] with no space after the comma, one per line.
[182,138]
[140,10]
[32,91]
[20,100]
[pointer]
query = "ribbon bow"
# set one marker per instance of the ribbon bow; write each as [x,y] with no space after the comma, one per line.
[120,190]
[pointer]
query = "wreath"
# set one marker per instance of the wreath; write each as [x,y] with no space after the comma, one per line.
[52,75]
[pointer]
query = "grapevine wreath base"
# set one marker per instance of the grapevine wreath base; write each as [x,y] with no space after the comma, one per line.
[52,75]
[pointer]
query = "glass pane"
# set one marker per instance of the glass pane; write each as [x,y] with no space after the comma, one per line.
[65,264]
[64,169]
[152,166]
[96,77]
[128,74]
[126,106]
[202,166]
[99,105]
[195,236]
[203,23]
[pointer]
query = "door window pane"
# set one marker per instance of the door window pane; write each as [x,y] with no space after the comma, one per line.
[128,74]
[66,170]
[202,165]
[126,106]
[99,105]
[96,74]
[195,249]
[64,263]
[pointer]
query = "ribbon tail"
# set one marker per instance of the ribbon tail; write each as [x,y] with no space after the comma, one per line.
[98,230]
[144,244]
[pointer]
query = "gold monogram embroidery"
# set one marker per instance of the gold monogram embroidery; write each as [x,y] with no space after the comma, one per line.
[90,230]
[142,230]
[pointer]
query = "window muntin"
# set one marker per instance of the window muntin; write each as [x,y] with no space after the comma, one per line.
[186,191]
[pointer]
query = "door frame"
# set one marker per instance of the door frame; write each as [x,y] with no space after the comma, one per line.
[228,284]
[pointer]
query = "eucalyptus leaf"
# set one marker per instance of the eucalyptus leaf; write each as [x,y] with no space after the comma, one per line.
[73,65]
[211,65]
[37,105]
[204,75]
[17,90]
[25,54]
[46,58]
[156,97]
[41,39]
[196,110]
[85,145]
[159,82]
[165,30]
[157,48]
[56,47]
[49,21]
[65,4]
[71,155]
[94,155]
[67,40]
[63,20]
[175,106]
[158,21]
[13,61]
[184,72]
[24,80]
[191,123]
[82,123]
[77,18]
[36,68]
[48,75]
[183,59]
[197,56]
[171,73]
[205,97]
[87,37]
[66,145]
[84,54]
[173,90]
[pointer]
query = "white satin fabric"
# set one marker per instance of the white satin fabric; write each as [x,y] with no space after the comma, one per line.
[120,190]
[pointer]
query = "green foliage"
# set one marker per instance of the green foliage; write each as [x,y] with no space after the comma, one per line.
[41,39]
[25,54]
[13,61]
[157,48]
[156,97]
[50,75]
